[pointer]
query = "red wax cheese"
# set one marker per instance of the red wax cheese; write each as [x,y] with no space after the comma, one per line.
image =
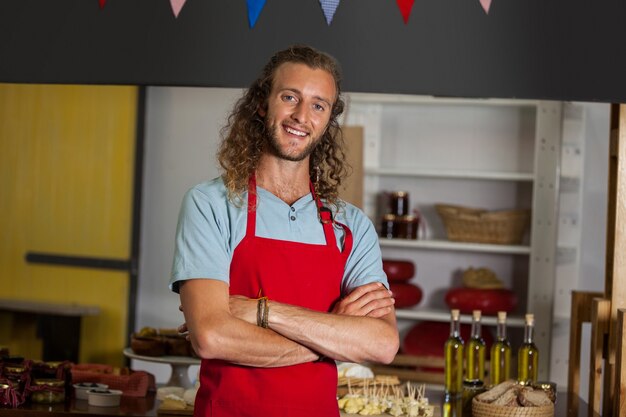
[406,295]
[398,271]
[488,301]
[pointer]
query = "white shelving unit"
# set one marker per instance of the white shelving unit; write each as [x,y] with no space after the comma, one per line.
[486,153]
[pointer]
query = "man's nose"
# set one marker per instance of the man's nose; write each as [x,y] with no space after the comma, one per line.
[300,113]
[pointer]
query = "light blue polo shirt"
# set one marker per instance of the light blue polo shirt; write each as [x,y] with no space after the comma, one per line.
[210,227]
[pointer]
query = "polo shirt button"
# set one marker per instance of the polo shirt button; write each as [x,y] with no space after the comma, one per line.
[293,209]
[293,217]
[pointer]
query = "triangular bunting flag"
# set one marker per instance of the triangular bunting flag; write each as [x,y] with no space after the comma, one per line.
[102,3]
[329,7]
[254,10]
[405,8]
[486,5]
[177,5]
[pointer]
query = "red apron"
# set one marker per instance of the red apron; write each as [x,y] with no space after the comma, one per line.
[296,273]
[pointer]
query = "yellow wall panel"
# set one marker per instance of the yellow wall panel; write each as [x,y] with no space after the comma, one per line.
[66,176]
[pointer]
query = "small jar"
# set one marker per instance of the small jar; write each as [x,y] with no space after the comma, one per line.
[389,227]
[16,374]
[400,203]
[48,391]
[470,390]
[7,393]
[407,227]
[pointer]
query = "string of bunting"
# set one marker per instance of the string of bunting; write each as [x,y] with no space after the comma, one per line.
[329,7]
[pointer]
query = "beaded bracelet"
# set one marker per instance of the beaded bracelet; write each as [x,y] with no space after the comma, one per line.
[262,313]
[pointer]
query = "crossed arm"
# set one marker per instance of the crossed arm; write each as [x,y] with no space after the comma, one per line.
[361,327]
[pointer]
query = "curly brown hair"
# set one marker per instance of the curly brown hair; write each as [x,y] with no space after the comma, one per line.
[244,138]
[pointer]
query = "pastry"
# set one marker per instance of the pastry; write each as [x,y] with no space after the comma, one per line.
[147,346]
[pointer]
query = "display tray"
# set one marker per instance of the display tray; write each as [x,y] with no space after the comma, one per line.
[180,366]
[174,360]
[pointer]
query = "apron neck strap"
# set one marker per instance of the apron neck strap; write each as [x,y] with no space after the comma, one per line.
[251,224]
[326,218]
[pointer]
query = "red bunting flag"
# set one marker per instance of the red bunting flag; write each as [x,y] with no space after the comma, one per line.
[176,6]
[102,3]
[405,8]
[486,5]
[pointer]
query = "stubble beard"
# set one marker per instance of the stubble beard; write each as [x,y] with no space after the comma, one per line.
[275,149]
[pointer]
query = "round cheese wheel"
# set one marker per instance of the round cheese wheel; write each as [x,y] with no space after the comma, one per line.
[398,270]
[488,301]
[427,338]
[406,295]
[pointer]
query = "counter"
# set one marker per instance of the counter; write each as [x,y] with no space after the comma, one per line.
[567,406]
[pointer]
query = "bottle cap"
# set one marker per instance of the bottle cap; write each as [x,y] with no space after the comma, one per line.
[530,319]
[476,314]
[501,316]
[455,314]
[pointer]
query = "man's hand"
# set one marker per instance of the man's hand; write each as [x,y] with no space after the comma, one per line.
[369,300]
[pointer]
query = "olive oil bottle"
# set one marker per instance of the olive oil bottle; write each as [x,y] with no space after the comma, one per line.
[453,355]
[528,354]
[475,351]
[500,353]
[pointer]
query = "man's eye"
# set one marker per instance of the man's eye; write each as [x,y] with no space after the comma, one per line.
[319,107]
[288,98]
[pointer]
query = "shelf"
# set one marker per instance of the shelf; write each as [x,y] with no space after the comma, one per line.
[444,316]
[451,173]
[454,246]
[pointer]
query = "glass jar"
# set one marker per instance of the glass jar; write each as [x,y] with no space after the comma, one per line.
[400,203]
[7,394]
[470,390]
[16,375]
[389,227]
[48,391]
[407,227]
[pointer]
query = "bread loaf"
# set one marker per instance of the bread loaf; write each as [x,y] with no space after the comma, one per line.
[495,392]
[511,394]
[534,398]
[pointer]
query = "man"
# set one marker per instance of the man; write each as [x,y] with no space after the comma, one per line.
[277,276]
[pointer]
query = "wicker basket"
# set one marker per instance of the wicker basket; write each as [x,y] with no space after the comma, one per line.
[465,224]
[481,409]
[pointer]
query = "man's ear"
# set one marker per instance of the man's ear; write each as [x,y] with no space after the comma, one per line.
[261,110]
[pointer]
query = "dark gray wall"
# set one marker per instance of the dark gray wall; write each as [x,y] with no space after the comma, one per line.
[549,49]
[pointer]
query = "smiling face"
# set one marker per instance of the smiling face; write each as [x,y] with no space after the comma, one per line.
[298,110]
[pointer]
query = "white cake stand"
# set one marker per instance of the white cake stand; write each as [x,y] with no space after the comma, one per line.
[179,364]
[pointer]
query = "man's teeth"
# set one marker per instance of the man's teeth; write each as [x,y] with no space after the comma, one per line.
[295,132]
